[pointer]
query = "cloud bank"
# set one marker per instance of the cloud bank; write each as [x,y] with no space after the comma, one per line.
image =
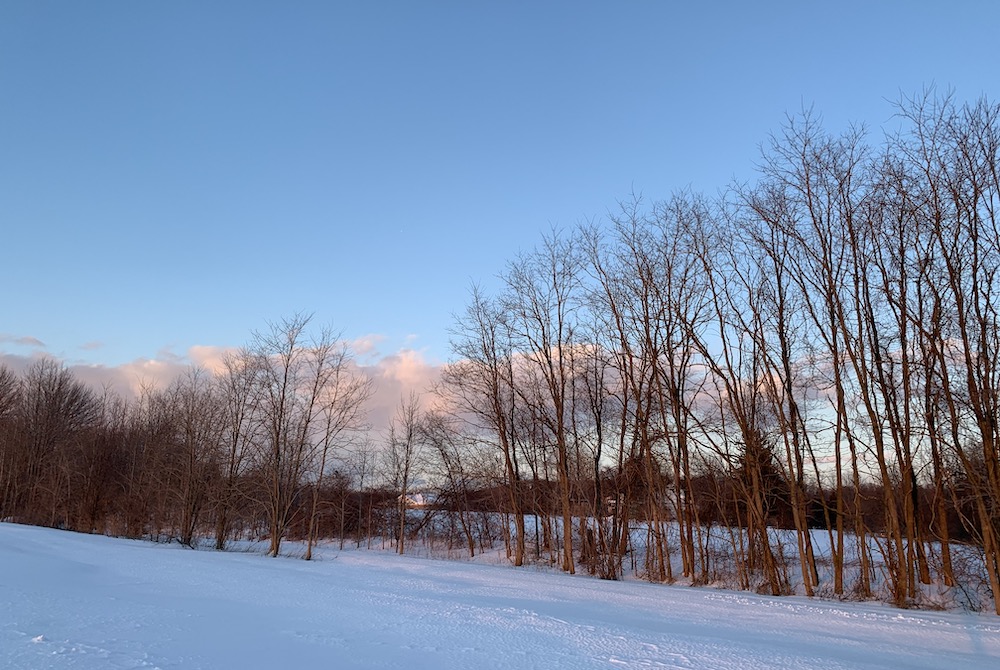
[395,375]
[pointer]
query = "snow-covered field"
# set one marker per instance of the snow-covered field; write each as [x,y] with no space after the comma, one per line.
[80,601]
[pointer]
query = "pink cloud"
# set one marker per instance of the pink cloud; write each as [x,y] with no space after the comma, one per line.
[366,344]
[394,375]
[18,364]
[210,358]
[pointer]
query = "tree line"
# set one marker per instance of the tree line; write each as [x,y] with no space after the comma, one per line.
[243,451]
[816,351]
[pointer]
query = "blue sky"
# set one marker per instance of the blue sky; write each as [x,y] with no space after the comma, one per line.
[176,174]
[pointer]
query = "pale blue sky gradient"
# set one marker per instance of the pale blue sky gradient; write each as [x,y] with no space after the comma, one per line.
[175,174]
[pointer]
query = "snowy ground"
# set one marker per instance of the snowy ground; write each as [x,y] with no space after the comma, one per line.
[79,601]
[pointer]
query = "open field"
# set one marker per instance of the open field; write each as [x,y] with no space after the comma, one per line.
[83,601]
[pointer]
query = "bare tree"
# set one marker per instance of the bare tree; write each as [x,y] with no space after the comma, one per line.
[194,466]
[54,411]
[345,392]
[542,294]
[9,448]
[952,155]
[402,453]
[241,403]
[456,466]
[297,377]
[478,388]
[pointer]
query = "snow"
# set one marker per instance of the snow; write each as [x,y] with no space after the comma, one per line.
[83,601]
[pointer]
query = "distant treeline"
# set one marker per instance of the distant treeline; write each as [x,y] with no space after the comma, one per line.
[819,349]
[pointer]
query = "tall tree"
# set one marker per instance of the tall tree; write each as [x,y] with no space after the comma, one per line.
[297,377]
[479,387]
[541,297]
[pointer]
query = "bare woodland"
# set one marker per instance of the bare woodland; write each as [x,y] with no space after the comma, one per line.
[657,394]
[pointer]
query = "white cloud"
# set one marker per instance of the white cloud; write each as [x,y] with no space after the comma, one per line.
[22,340]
